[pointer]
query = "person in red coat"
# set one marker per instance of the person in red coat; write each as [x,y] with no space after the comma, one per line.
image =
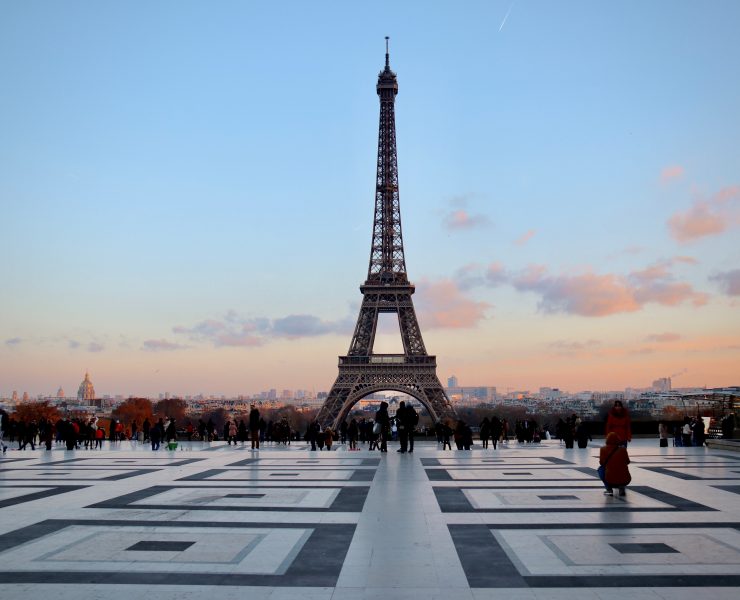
[618,421]
[614,458]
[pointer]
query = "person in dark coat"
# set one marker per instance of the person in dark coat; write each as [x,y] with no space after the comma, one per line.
[382,417]
[352,431]
[582,434]
[155,436]
[402,426]
[485,431]
[618,421]
[254,427]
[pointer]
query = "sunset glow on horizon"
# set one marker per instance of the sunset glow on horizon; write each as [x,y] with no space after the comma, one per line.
[187,192]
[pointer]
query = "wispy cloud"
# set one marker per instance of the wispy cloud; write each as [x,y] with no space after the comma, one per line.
[663,338]
[671,172]
[13,342]
[161,345]
[235,330]
[461,219]
[573,348]
[592,294]
[524,238]
[729,281]
[506,17]
[443,305]
[707,217]
[95,347]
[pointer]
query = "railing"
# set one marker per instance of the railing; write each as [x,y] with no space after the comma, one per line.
[389,359]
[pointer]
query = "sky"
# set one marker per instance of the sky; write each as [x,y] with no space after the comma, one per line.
[186,191]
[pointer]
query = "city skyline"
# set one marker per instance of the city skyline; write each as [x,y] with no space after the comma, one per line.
[192,210]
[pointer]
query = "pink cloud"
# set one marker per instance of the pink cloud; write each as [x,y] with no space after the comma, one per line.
[596,295]
[524,238]
[589,295]
[462,219]
[442,305]
[707,216]
[689,260]
[729,281]
[495,274]
[663,338]
[671,172]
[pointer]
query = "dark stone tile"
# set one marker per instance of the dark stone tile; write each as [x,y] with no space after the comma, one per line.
[438,475]
[484,561]
[244,496]
[557,497]
[48,490]
[647,548]
[160,546]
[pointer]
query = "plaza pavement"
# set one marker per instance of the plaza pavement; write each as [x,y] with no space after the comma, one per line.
[521,522]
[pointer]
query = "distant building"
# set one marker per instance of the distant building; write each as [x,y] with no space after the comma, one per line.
[25,397]
[662,385]
[452,382]
[86,390]
[60,392]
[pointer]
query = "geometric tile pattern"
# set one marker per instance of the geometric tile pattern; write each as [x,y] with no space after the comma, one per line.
[525,521]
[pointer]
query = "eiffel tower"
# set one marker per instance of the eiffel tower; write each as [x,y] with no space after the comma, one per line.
[386,290]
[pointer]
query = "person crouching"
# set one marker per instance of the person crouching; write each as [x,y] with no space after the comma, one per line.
[614,459]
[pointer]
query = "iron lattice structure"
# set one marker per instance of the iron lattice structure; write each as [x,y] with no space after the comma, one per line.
[386,290]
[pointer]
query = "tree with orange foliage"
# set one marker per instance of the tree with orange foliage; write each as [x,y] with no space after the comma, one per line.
[35,411]
[133,409]
[174,408]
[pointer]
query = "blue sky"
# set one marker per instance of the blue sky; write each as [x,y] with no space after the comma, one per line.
[164,163]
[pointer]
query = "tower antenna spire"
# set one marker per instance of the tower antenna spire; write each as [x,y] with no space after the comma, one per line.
[387,54]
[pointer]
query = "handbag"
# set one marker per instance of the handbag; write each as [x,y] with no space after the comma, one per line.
[602,468]
[376,428]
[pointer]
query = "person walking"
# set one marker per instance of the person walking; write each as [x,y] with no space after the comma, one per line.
[613,461]
[254,427]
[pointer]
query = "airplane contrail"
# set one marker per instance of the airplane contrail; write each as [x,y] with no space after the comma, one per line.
[508,12]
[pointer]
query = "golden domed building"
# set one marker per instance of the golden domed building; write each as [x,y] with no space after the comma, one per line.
[86,391]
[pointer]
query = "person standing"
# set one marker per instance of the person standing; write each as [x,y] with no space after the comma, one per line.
[497,430]
[401,424]
[663,434]
[254,427]
[352,430]
[618,421]
[686,432]
[384,420]
[485,431]
[155,436]
[412,417]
